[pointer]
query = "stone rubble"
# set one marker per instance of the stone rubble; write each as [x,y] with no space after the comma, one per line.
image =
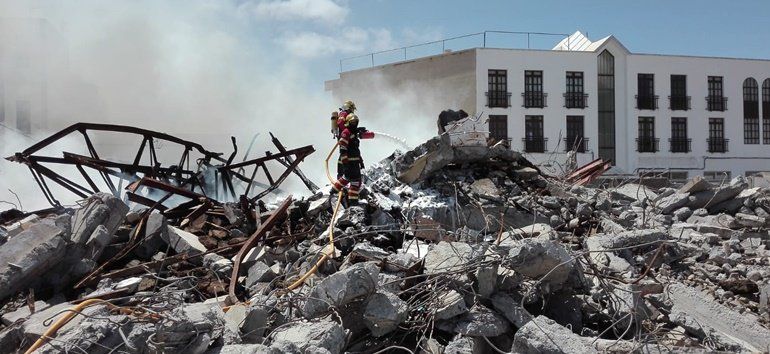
[454,249]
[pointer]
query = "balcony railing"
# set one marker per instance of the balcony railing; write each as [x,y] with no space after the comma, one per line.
[498,99]
[535,144]
[679,103]
[716,103]
[717,144]
[679,144]
[647,102]
[577,144]
[647,144]
[534,99]
[575,100]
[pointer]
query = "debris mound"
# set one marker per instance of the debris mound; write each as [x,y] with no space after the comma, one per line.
[452,249]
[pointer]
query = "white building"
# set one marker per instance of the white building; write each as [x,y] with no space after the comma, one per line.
[678,115]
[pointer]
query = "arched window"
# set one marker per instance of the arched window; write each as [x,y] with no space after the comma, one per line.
[750,111]
[766,111]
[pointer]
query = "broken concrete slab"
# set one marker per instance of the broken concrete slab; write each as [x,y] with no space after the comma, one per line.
[478,322]
[485,188]
[701,314]
[384,312]
[748,220]
[447,257]
[259,272]
[633,192]
[599,244]
[156,231]
[709,198]
[542,259]
[513,311]
[24,258]
[667,205]
[695,185]
[450,304]
[244,349]
[342,287]
[19,226]
[544,335]
[322,333]
[100,209]
[183,242]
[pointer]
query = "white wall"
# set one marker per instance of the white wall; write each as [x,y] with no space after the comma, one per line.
[740,157]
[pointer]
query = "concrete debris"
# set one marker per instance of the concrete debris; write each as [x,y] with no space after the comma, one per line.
[321,333]
[544,335]
[704,317]
[456,247]
[384,312]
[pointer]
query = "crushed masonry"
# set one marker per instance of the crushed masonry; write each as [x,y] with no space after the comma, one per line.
[453,249]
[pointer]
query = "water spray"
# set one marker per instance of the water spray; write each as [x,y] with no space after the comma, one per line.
[397,140]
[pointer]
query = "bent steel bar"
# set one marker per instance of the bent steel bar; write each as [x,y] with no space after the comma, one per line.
[177,179]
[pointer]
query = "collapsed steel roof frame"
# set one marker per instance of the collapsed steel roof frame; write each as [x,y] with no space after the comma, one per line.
[178,179]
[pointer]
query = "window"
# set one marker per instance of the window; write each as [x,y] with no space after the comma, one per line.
[766,111]
[716,140]
[605,63]
[574,96]
[575,139]
[498,128]
[678,175]
[645,98]
[533,89]
[533,132]
[679,141]
[646,141]
[679,101]
[497,94]
[717,176]
[23,123]
[715,100]
[750,111]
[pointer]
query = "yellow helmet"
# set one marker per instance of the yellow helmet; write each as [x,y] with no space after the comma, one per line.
[349,106]
[351,120]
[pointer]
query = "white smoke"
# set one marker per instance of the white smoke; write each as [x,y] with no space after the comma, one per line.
[201,70]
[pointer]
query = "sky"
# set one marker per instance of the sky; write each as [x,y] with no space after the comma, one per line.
[208,69]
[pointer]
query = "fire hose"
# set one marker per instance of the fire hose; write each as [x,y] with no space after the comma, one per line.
[329,250]
[71,313]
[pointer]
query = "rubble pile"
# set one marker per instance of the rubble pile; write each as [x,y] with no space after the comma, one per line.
[454,249]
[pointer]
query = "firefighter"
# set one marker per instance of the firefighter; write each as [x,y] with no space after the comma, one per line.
[350,158]
[338,125]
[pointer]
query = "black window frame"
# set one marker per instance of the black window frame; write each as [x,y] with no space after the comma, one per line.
[498,128]
[605,105]
[750,111]
[679,100]
[716,100]
[646,141]
[534,97]
[576,139]
[679,142]
[574,94]
[534,139]
[497,89]
[645,94]
[716,141]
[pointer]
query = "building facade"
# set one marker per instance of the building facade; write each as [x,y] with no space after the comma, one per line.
[676,116]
